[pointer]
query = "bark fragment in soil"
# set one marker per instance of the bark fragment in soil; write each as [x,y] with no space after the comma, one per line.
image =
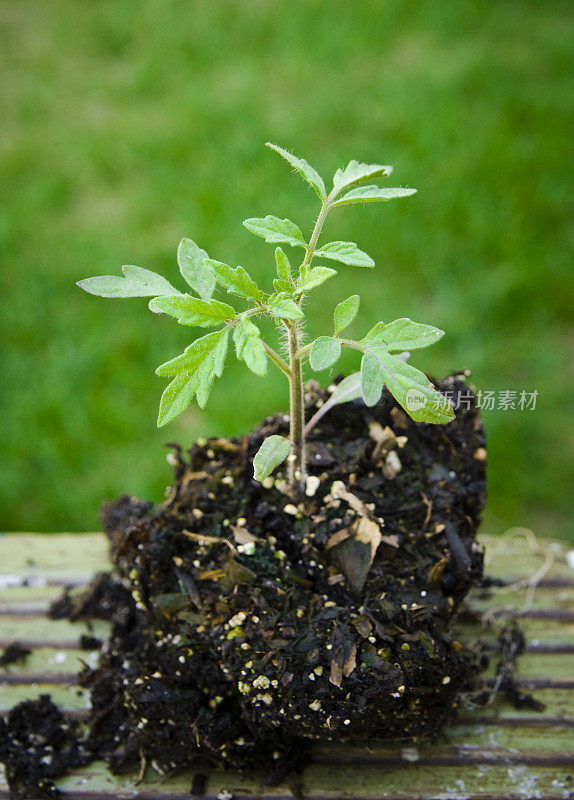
[248,622]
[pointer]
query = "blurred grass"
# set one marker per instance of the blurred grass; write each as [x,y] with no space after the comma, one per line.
[128,125]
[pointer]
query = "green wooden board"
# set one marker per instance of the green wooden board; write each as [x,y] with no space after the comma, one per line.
[491,752]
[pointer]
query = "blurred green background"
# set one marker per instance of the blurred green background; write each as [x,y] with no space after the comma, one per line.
[125,126]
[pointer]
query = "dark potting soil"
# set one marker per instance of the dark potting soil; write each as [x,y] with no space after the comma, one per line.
[248,622]
[14,653]
[38,743]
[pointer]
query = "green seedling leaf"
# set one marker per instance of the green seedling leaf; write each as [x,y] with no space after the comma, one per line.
[194,371]
[284,281]
[282,306]
[372,194]
[237,281]
[212,365]
[219,353]
[249,347]
[372,379]
[273,229]
[306,171]
[193,311]
[402,334]
[408,385]
[355,172]
[347,253]
[313,278]
[176,398]
[272,452]
[192,357]
[205,377]
[137,282]
[325,351]
[191,260]
[345,313]
[349,389]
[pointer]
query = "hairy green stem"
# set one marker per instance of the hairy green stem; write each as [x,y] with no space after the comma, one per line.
[277,360]
[302,352]
[297,466]
[297,418]
[310,249]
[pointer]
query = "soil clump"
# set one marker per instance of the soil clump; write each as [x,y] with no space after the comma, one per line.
[249,622]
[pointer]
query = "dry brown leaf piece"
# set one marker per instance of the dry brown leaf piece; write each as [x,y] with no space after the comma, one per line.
[385,440]
[436,571]
[340,492]
[355,554]
[350,661]
[242,535]
[363,626]
[337,538]
[336,675]
[344,659]
[202,538]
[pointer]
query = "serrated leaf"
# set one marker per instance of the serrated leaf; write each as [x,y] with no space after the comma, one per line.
[403,334]
[272,452]
[282,286]
[284,276]
[137,282]
[345,312]
[347,253]
[355,172]
[176,398]
[193,311]
[282,306]
[313,278]
[306,171]
[249,347]
[408,385]
[273,229]
[191,261]
[205,377]
[219,353]
[325,351]
[237,281]
[192,357]
[372,194]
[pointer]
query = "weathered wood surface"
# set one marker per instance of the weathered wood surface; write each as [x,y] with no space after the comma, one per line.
[491,752]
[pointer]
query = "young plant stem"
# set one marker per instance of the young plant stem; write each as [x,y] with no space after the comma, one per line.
[297,466]
[297,417]
[277,360]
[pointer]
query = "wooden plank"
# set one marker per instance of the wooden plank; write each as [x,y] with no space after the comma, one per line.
[60,661]
[36,554]
[558,702]
[491,752]
[29,600]
[512,557]
[407,781]
[44,559]
[62,633]
[68,661]
[49,631]
[69,697]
